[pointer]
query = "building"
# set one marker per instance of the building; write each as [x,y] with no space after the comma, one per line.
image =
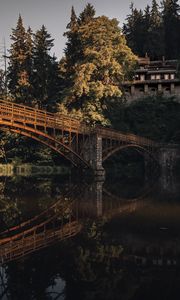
[153,78]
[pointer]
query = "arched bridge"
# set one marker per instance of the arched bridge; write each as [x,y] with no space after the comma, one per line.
[83,145]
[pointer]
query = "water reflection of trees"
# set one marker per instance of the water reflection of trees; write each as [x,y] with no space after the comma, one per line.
[92,265]
[22,198]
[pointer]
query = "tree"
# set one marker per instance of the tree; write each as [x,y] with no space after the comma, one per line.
[87,14]
[154,31]
[154,44]
[134,30]
[20,57]
[42,66]
[54,86]
[73,48]
[73,22]
[29,61]
[94,77]
[171,23]
[2,83]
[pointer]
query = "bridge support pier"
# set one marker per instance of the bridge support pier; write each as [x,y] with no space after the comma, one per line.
[95,158]
[97,189]
[91,204]
[168,157]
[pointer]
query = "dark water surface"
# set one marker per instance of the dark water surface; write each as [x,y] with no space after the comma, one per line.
[62,239]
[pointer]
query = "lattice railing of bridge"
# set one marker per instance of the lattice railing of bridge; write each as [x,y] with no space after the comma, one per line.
[56,223]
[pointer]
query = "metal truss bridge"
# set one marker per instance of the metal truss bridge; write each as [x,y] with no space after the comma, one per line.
[84,146]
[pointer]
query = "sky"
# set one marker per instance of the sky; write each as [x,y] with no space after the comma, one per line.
[55,15]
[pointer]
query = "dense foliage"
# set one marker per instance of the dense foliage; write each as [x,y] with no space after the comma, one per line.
[153,117]
[32,72]
[155,31]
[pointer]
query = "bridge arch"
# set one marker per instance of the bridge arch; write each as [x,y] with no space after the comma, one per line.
[137,148]
[47,140]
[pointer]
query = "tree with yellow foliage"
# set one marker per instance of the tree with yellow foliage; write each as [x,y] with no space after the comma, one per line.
[96,62]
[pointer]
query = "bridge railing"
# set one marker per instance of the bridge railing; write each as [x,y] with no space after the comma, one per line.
[16,113]
[19,113]
[35,240]
[126,137]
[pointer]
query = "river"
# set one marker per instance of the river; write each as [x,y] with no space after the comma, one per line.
[71,238]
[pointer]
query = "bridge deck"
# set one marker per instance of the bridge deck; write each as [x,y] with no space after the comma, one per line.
[12,113]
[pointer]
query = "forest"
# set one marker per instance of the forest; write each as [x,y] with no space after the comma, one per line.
[87,81]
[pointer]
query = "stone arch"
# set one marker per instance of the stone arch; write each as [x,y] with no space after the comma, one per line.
[138,148]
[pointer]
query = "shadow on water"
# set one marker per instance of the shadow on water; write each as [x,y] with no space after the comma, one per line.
[62,239]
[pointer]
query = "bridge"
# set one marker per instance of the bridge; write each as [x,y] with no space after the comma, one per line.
[84,146]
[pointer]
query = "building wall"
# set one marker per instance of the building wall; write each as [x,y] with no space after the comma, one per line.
[134,92]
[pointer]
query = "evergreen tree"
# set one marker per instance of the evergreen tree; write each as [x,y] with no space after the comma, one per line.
[2,84]
[42,66]
[153,31]
[73,49]
[147,26]
[134,30]
[54,84]
[20,57]
[96,74]
[171,23]
[73,52]
[73,22]
[154,45]
[87,14]
[29,63]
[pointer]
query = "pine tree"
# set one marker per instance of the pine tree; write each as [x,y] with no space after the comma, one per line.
[29,52]
[147,25]
[73,22]
[20,57]
[42,64]
[144,31]
[171,23]
[87,14]
[73,52]
[155,14]
[2,84]
[154,45]
[134,30]
[96,74]
[54,84]
[73,49]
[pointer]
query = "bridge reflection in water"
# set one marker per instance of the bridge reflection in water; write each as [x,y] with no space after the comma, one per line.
[64,219]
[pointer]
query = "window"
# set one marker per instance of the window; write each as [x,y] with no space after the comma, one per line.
[166,76]
[153,77]
[142,77]
[172,76]
[158,76]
